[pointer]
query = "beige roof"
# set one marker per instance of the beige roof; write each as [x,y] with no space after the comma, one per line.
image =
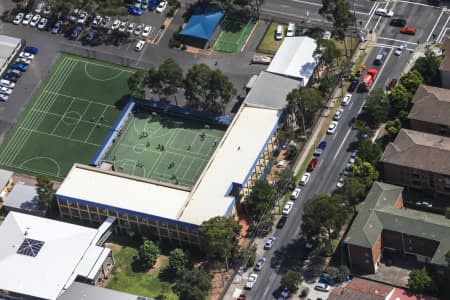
[431,104]
[445,64]
[419,150]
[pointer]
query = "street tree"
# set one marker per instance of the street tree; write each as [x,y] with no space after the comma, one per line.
[428,67]
[353,191]
[392,128]
[154,81]
[45,191]
[291,280]
[399,99]
[195,84]
[369,151]
[178,262]
[411,81]
[148,253]
[194,284]
[137,81]
[220,92]
[261,199]
[219,237]
[304,103]
[365,171]
[284,179]
[327,52]
[171,77]
[420,281]
[377,108]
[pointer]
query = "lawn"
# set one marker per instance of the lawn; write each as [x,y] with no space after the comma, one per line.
[126,278]
[268,44]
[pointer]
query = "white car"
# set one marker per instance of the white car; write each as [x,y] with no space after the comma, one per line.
[288,207]
[115,25]
[42,23]
[346,100]
[384,12]
[6,83]
[5,90]
[24,60]
[398,51]
[269,243]
[47,9]
[18,19]
[260,264]
[161,6]
[305,178]
[3,97]
[322,287]
[26,55]
[35,20]
[131,28]
[82,17]
[139,46]
[295,193]
[291,29]
[340,182]
[326,35]
[279,33]
[332,127]
[251,281]
[123,26]
[138,30]
[137,4]
[39,7]
[146,31]
[97,21]
[338,114]
[26,20]
[144,4]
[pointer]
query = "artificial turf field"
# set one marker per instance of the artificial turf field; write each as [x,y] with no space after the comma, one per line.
[67,119]
[164,148]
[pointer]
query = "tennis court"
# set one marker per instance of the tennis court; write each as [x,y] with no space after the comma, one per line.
[233,35]
[163,147]
[67,119]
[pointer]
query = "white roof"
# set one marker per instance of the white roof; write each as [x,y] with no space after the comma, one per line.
[51,270]
[295,58]
[122,191]
[233,162]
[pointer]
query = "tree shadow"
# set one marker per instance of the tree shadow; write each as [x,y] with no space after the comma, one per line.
[289,257]
[120,104]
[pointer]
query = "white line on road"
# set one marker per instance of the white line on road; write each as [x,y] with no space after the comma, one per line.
[373,8]
[415,3]
[384,46]
[309,3]
[271,277]
[282,5]
[445,33]
[395,40]
[434,27]
[443,29]
[342,144]
[371,15]
[381,69]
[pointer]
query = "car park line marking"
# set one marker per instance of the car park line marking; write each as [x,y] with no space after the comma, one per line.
[415,3]
[396,40]
[342,143]
[435,24]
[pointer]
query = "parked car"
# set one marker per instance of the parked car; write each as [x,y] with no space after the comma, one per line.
[90,35]
[74,15]
[295,194]
[138,30]
[260,264]
[39,7]
[322,287]
[42,23]
[153,4]
[139,46]
[312,165]
[399,50]
[31,49]
[3,97]
[105,22]
[332,127]
[135,11]
[305,179]
[279,32]
[327,280]
[398,22]
[131,27]
[326,35]
[115,25]
[322,145]
[392,84]
[75,32]
[123,26]
[341,181]
[384,12]
[251,281]
[24,60]
[161,6]
[137,3]
[269,243]
[35,20]
[338,114]
[19,66]
[47,9]
[347,99]
[26,55]
[408,30]
[97,21]
[14,72]
[7,83]
[144,4]
[5,90]
[18,18]
[346,171]
[11,77]
[299,31]
[82,18]
[27,19]
[353,85]
[288,207]
[57,27]
[290,29]
[281,222]
[146,31]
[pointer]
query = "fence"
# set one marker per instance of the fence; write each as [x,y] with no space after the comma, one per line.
[113,58]
[230,41]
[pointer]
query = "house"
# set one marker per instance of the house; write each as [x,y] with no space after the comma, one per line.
[444,68]
[384,226]
[431,110]
[419,161]
[40,258]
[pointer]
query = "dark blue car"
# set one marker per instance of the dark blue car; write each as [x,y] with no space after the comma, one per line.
[75,33]
[135,11]
[327,280]
[320,148]
[32,50]
[153,4]
[20,67]
[11,77]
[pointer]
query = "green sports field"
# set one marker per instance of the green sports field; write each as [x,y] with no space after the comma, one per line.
[67,118]
[164,148]
[233,35]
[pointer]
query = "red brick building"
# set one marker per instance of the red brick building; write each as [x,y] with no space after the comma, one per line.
[383,225]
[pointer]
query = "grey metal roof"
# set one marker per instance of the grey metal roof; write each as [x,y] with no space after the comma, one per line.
[23,197]
[4,177]
[379,212]
[270,90]
[83,291]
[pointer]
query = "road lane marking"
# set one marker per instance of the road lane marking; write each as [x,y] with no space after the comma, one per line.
[309,3]
[444,28]
[342,144]
[371,15]
[409,2]
[434,27]
[396,40]
[282,5]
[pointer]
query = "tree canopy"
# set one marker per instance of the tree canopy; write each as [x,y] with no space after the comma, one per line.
[411,81]
[303,103]
[377,108]
[364,171]
[171,76]
[178,262]
[291,280]
[261,199]
[219,237]
[340,13]
[399,99]
[420,281]
[45,191]
[149,252]
[369,151]
[194,284]
[137,81]
[428,67]
[353,191]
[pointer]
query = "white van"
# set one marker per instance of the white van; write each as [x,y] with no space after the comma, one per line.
[291,29]
[279,33]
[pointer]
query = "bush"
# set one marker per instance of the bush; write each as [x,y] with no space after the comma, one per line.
[162,27]
[304,292]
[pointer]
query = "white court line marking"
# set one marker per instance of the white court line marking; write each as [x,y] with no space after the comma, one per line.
[101,65]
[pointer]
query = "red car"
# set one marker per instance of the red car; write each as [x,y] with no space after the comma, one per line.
[312,165]
[391,84]
[408,30]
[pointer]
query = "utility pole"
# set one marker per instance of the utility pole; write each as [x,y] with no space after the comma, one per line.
[257,9]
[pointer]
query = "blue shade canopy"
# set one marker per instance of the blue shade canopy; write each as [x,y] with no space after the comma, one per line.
[202,25]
